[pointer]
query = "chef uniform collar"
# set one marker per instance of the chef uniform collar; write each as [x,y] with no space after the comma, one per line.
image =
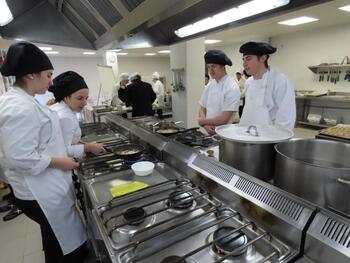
[67,83]
[24,58]
[257,49]
[217,57]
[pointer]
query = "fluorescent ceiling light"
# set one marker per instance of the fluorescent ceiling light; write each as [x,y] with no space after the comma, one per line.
[52,52]
[164,51]
[234,14]
[113,50]
[89,53]
[150,54]
[45,48]
[345,8]
[298,21]
[19,39]
[122,54]
[5,13]
[140,45]
[211,41]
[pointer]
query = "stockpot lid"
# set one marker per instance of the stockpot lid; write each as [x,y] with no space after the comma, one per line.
[265,134]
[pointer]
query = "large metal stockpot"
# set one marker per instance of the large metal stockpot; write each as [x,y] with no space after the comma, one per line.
[317,170]
[250,149]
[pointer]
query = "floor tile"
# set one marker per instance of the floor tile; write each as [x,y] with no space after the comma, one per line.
[37,257]
[12,250]
[12,229]
[33,243]
[17,260]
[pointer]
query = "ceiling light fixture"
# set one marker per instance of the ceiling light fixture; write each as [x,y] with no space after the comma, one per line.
[345,8]
[52,52]
[150,54]
[89,53]
[234,14]
[113,50]
[122,54]
[298,21]
[211,41]
[45,48]
[164,51]
[5,13]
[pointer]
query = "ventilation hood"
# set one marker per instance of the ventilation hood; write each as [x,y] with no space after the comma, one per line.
[93,24]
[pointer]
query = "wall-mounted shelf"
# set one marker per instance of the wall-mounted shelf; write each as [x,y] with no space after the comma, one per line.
[327,68]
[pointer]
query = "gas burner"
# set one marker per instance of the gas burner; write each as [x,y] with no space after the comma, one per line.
[229,242]
[173,259]
[180,200]
[134,216]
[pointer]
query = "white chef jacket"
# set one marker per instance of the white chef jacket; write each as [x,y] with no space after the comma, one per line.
[70,129]
[241,85]
[269,101]
[220,96]
[115,97]
[158,89]
[30,135]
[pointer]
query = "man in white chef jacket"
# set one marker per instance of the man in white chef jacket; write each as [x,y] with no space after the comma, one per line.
[269,95]
[158,88]
[124,81]
[220,98]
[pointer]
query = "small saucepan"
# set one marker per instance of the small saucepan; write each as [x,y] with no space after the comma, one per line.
[128,151]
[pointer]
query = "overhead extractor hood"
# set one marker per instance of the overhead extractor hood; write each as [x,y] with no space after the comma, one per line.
[92,24]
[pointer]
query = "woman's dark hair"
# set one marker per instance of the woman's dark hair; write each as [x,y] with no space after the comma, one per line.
[207,76]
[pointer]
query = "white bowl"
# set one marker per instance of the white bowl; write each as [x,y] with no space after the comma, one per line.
[142,168]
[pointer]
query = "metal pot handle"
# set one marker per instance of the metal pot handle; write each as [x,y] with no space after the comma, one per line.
[216,138]
[343,181]
[255,129]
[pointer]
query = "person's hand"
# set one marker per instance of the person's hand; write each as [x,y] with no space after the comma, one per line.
[64,163]
[210,129]
[201,121]
[95,148]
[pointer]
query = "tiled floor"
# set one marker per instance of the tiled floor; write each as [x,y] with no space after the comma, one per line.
[20,239]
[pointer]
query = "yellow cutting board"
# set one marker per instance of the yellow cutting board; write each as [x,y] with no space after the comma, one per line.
[127,188]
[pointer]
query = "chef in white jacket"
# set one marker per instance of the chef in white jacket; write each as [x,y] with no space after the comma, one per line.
[220,98]
[158,88]
[34,156]
[123,82]
[71,93]
[269,95]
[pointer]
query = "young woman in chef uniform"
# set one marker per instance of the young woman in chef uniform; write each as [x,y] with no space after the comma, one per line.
[71,94]
[34,155]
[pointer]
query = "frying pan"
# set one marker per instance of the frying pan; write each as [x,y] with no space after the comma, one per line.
[128,151]
[171,130]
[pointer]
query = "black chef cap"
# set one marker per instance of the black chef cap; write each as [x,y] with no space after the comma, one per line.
[67,83]
[24,58]
[257,48]
[217,57]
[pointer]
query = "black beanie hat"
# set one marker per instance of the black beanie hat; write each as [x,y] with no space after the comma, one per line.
[24,58]
[67,83]
[217,57]
[257,48]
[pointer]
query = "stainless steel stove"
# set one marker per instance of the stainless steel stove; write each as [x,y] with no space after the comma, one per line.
[195,138]
[176,221]
[108,163]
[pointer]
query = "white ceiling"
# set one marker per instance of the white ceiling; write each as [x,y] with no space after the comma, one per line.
[327,13]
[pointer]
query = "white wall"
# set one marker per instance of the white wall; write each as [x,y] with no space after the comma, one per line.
[145,67]
[308,48]
[297,51]
[85,66]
